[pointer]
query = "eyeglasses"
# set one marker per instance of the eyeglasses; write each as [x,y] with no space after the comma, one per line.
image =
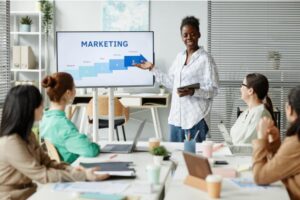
[243,84]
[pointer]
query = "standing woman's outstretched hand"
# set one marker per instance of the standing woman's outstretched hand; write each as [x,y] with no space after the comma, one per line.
[145,65]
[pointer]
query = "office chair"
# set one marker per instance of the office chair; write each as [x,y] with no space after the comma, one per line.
[121,114]
[52,152]
[276,115]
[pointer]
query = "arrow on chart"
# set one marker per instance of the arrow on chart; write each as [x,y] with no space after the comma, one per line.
[130,61]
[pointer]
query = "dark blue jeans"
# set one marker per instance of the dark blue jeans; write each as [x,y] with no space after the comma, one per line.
[177,134]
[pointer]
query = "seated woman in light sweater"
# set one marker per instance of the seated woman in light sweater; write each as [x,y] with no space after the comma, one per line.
[22,160]
[273,161]
[56,127]
[254,92]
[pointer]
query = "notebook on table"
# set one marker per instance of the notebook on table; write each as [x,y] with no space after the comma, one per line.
[234,149]
[114,169]
[124,148]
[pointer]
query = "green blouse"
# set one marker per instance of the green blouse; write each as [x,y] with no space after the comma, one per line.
[64,135]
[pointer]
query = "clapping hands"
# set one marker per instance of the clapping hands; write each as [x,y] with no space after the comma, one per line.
[267,130]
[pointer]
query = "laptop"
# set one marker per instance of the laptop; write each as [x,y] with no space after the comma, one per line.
[234,149]
[124,148]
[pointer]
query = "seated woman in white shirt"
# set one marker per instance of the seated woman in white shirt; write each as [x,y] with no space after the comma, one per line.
[254,92]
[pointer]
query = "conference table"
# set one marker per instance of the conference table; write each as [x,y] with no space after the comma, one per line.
[138,188]
[173,173]
[241,187]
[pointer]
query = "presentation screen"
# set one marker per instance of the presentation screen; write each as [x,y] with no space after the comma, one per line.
[105,59]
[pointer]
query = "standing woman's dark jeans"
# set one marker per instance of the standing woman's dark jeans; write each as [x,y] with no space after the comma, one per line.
[177,134]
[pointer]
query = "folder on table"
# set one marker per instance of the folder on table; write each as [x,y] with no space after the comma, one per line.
[114,169]
[88,195]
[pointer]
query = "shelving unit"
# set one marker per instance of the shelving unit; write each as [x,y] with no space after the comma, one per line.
[33,39]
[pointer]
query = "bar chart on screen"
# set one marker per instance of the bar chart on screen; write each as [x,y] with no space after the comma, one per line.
[104,59]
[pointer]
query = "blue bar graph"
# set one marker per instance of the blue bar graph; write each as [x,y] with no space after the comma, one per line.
[117,64]
[102,68]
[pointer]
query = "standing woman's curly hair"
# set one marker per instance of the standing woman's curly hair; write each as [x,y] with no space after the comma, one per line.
[192,21]
[18,110]
[57,84]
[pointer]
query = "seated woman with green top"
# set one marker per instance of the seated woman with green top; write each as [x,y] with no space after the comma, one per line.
[56,127]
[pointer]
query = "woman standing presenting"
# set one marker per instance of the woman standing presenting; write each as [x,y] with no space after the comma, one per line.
[189,106]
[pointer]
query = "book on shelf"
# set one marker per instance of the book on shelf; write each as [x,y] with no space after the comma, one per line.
[26,82]
[23,57]
[27,58]
[16,56]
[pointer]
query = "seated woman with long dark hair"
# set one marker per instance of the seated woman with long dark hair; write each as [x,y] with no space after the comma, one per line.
[273,161]
[22,160]
[254,92]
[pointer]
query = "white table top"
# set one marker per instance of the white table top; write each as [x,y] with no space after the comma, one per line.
[175,189]
[138,186]
[178,190]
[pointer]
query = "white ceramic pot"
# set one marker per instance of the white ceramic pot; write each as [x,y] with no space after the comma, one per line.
[162,91]
[25,28]
[157,160]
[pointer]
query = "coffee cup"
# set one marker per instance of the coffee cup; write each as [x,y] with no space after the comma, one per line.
[153,172]
[207,148]
[214,186]
[153,142]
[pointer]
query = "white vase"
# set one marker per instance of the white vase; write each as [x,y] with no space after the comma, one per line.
[25,28]
[157,160]
[162,91]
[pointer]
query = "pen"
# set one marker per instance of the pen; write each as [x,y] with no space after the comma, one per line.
[196,135]
[113,156]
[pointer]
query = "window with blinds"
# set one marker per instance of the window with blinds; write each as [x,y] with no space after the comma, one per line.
[4,51]
[241,38]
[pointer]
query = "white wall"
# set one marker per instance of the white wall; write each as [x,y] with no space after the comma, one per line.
[165,19]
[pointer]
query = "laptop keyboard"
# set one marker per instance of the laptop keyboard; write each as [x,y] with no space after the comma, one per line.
[120,147]
[241,149]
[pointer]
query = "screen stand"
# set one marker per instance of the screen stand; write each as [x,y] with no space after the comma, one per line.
[111,114]
[95,114]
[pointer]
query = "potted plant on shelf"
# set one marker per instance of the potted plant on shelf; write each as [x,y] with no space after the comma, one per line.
[161,89]
[158,154]
[275,56]
[47,9]
[25,24]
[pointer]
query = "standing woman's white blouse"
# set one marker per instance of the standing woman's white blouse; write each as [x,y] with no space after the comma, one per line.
[189,110]
[244,129]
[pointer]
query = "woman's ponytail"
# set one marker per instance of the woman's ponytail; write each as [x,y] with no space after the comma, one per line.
[269,106]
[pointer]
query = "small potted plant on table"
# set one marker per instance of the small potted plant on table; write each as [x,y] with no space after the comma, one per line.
[158,154]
